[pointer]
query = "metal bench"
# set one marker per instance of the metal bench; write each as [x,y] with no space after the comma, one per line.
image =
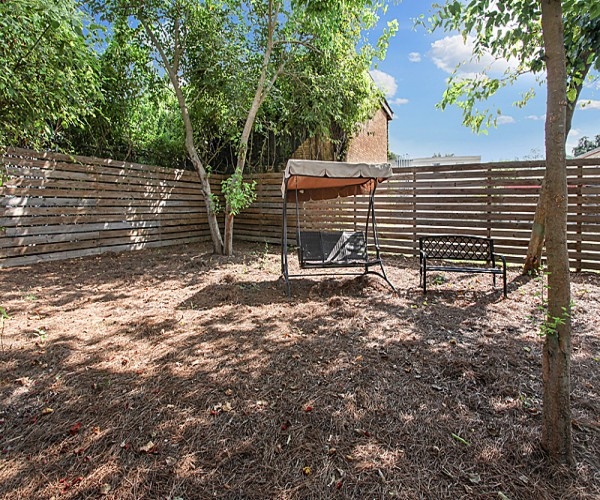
[463,249]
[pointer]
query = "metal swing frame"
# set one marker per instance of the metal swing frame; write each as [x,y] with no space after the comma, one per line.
[332,250]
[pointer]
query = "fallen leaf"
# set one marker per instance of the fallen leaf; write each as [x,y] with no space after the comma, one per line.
[105,489]
[170,461]
[462,440]
[475,478]
[47,411]
[228,392]
[75,428]
[308,409]
[307,471]
[149,447]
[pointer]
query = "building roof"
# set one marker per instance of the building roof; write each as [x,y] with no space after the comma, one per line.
[387,108]
[594,153]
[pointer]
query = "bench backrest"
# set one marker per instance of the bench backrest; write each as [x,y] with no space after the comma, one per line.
[331,247]
[457,247]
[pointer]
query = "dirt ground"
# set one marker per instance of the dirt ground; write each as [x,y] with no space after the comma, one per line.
[175,374]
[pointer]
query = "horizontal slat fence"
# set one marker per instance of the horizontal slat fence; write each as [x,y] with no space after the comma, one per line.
[56,206]
[496,200]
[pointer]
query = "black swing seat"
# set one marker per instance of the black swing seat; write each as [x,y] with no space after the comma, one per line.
[322,249]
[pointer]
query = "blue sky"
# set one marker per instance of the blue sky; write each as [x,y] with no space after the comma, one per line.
[413,76]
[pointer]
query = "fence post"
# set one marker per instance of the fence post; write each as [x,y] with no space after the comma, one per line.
[489,202]
[414,211]
[579,224]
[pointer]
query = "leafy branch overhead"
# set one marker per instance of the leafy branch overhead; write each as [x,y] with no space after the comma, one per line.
[511,32]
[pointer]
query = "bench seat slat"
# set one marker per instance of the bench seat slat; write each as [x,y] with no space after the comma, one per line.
[483,270]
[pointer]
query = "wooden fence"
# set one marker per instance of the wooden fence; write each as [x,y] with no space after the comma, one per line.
[496,200]
[56,206]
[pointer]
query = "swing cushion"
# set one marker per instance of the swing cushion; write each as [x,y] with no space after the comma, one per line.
[332,249]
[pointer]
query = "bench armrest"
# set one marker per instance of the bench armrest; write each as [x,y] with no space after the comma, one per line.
[501,257]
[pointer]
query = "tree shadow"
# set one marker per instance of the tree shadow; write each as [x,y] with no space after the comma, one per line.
[235,391]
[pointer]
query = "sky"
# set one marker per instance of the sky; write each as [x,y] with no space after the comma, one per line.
[414,74]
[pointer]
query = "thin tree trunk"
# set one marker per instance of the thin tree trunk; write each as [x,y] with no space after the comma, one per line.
[172,70]
[262,89]
[556,417]
[538,230]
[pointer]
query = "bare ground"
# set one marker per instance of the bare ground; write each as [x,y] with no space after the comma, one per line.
[174,374]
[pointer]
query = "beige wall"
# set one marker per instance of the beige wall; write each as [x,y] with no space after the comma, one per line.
[371,142]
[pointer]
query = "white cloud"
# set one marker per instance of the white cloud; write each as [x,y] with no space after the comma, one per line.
[385,82]
[589,104]
[414,57]
[451,51]
[536,117]
[399,101]
[574,132]
[504,119]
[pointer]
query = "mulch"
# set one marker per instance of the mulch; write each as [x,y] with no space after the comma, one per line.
[176,374]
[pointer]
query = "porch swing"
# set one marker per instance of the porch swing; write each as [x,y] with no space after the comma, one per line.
[331,249]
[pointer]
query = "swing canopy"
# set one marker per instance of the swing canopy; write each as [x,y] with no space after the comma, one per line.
[305,180]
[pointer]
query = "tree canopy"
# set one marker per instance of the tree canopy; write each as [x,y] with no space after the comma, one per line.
[240,69]
[48,74]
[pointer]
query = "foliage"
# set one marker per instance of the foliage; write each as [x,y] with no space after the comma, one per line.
[512,31]
[228,63]
[586,144]
[48,72]
[239,194]
[137,116]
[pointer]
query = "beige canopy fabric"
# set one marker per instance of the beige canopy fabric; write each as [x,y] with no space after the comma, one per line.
[322,180]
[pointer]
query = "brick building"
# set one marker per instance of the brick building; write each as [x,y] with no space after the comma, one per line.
[369,145]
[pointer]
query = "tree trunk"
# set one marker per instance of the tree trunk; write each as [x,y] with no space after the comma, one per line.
[536,240]
[538,233]
[556,417]
[171,70]
[259,96]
